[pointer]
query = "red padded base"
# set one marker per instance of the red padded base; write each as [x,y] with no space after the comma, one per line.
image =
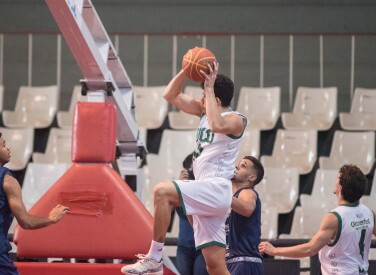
[33,268]
[124,230]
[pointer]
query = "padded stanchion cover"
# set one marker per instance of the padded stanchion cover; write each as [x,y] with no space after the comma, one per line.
[94,132]
[106,220]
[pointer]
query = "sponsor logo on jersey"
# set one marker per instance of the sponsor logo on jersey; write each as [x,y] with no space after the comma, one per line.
[360,222]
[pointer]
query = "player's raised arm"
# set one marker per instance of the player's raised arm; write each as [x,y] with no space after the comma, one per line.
[174,95]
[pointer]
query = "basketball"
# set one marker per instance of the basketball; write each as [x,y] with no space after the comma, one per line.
[197,59]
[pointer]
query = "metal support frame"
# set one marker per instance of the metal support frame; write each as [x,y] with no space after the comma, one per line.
[102,69]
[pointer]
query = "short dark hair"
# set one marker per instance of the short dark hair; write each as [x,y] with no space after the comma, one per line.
[258,167]
[224,89]
[187,162]
[353,182]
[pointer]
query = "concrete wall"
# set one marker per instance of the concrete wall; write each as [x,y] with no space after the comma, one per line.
[251,40]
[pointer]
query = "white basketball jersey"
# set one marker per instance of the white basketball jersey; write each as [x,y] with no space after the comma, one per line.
[348,253]
[215,153]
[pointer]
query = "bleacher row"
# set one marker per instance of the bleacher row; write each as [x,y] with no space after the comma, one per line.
[295,146]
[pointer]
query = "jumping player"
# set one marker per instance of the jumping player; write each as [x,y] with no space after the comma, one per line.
[208,198]
[344,238]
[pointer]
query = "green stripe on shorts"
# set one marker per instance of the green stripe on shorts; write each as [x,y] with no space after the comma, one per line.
[209,244]
[180,197]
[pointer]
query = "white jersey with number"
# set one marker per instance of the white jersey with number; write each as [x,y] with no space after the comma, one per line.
[215,153]
[348,253]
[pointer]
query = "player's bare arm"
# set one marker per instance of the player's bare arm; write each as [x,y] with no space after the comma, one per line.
[245,204]
[173,94]
[327,232]
[24,219]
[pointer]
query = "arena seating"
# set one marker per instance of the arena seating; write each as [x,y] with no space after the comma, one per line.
[322,193]
[65,118]
[279,188]
[58,149]
[176,144]
[370,200]
[20,142]
[151,108]
[362,112]
[293,149]
[36,107]
[314,108]
[269,222]
[351,147]
[250,144]
[261,106]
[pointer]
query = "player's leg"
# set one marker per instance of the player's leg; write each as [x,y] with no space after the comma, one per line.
[165,197]
[200,265]
[215,259]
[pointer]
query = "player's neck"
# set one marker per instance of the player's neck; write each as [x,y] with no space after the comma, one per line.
[239,185]
[225,109]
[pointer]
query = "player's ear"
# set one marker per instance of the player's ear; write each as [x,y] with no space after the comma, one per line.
[219,102]
[252,178]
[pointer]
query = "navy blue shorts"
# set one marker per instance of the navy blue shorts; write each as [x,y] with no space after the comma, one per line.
[6,266]
[241,268]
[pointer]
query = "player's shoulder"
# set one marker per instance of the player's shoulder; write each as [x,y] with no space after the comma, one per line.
[248,192]
[10,182]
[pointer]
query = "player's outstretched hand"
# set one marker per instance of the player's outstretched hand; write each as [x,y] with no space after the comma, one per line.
[58,212]
[266,248]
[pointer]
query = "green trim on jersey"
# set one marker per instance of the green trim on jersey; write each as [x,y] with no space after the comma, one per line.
[354,204]
[339,228]
[209,244]
[230,135]
[245,125]
[234,137]
[180,197]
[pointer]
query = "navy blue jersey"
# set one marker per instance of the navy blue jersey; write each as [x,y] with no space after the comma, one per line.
[243,234]
[6,216]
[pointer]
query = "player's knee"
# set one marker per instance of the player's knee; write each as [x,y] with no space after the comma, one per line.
[213,269]
[160,191]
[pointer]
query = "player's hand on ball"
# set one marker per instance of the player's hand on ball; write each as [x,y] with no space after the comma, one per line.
[211,76]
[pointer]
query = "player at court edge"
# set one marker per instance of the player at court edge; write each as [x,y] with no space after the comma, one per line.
[344,238]
[12,205]
[206,199]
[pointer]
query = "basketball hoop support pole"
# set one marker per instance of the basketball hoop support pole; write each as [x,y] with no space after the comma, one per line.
[103,71]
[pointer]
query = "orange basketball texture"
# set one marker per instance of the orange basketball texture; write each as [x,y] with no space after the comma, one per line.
[197,59]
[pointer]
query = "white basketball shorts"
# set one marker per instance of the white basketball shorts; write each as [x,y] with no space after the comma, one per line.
[209,202]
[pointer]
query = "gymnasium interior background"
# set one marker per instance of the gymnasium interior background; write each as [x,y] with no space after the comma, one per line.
[258,43]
